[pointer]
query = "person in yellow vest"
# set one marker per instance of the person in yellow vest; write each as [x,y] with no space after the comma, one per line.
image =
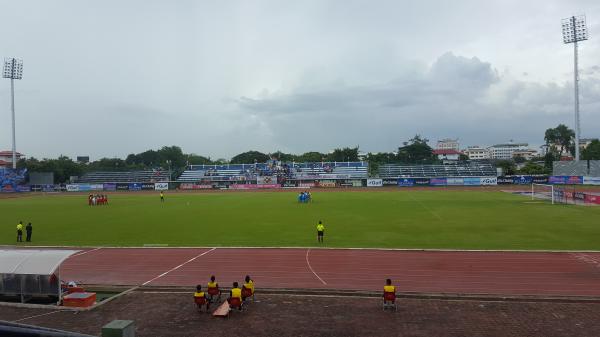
[20,232]
[199,294]
[248,284]
[235,292]
[320,231]
[213,289]
[162,196]
[388,288]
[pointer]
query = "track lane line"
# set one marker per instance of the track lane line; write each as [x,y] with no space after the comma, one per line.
[310,268]
[85,252]
[40,315]
[179,266]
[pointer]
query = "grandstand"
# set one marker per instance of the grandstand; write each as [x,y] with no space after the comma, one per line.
[293,171]
[430,171]
[125,177]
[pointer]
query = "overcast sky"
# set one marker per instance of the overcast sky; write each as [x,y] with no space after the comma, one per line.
[108,78]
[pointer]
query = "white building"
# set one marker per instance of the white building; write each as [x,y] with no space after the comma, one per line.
[447,155]
[526,154]
[447,144]
[477,153]
[6,158]
[505,151]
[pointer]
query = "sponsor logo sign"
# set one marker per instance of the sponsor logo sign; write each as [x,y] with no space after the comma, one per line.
[455,181]
[438,182]
[592,199]
[540,179]
[122,187]
[327,184]
[109,187]
[390,181]
[23,188]
[8,188]
[266,180]
[374,182]
[85,187]
[406,182]
[504,180]
[575,180]
[522,180]
[185,186]
[72,188]
[289,184]
[422,181]
[96,187]
[165,186]
[306,185]
[252,186]
[579,196]
[486,181]
[471,181]
[557,180]
[47,188]
[135,186]
[591,180]
[147,186]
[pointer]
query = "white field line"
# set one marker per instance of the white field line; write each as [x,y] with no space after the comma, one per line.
[34,316]
[309,267]
[179,266]
[425,207]
[87,251]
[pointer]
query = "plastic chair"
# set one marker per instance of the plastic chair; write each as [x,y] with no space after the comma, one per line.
[247,293]
[200,301]
[235,303]
[389,301]
[214,294]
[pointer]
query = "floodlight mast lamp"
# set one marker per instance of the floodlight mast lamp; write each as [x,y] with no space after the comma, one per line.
[13,69]
[574,30]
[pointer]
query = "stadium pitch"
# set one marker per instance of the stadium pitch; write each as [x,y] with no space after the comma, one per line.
[434,219]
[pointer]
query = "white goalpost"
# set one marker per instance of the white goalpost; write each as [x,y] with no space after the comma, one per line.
[543,191]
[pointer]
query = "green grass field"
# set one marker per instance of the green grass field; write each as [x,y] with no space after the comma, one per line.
[386,219]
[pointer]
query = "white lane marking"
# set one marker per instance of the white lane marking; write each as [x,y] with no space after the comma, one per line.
[179,266]
[309,267]
[34,316]
[87,251]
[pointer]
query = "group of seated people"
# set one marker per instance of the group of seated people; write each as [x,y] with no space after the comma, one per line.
[237,296]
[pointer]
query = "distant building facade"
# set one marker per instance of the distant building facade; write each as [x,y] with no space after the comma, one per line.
[447,155]
[477,153]
[448,144]
[6,158]
[505,151]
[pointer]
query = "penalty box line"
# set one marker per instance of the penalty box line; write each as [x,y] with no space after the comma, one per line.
[179,266]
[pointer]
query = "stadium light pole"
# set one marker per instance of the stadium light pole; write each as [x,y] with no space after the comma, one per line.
[574,30]
[13,69]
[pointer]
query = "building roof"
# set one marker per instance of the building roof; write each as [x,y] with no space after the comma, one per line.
[9,153]
[32,261]
[3,163]
[446,152]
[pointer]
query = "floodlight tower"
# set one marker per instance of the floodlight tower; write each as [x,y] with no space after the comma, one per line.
[574,30]
[13,69]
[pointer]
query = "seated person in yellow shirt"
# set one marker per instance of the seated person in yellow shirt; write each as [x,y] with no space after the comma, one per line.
[389,292]
[213,289]
[235,296]
[248,289]
[200,298]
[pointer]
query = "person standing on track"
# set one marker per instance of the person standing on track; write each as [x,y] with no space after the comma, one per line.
[20,232]
[162,196]
[320,231]
[28,230]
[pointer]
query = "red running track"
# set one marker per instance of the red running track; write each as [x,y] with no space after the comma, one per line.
[462,272]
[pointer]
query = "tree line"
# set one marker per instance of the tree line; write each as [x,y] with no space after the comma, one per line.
[559,141]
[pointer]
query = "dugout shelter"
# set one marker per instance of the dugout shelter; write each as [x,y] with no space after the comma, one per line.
[28,273]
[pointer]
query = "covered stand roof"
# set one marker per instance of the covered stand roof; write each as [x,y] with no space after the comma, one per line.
[32,262]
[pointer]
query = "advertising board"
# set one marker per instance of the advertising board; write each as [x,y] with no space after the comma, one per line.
[85,187]
[591,180]
[406,182]
[471,181]
[522,180]
[502,180]
[266,180]
[135,186]
[165,186]
[109,187]
[327,184]
[574,180]
[184,186]
[122,186]
[374,182]
[487,181]
[438,181]
[72,188]
[147,186]
[23,188]
[252,186]
[569,180]
[390,181]
[540,179]
[306,185]
[96,187]
[422,181]
[454,181]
